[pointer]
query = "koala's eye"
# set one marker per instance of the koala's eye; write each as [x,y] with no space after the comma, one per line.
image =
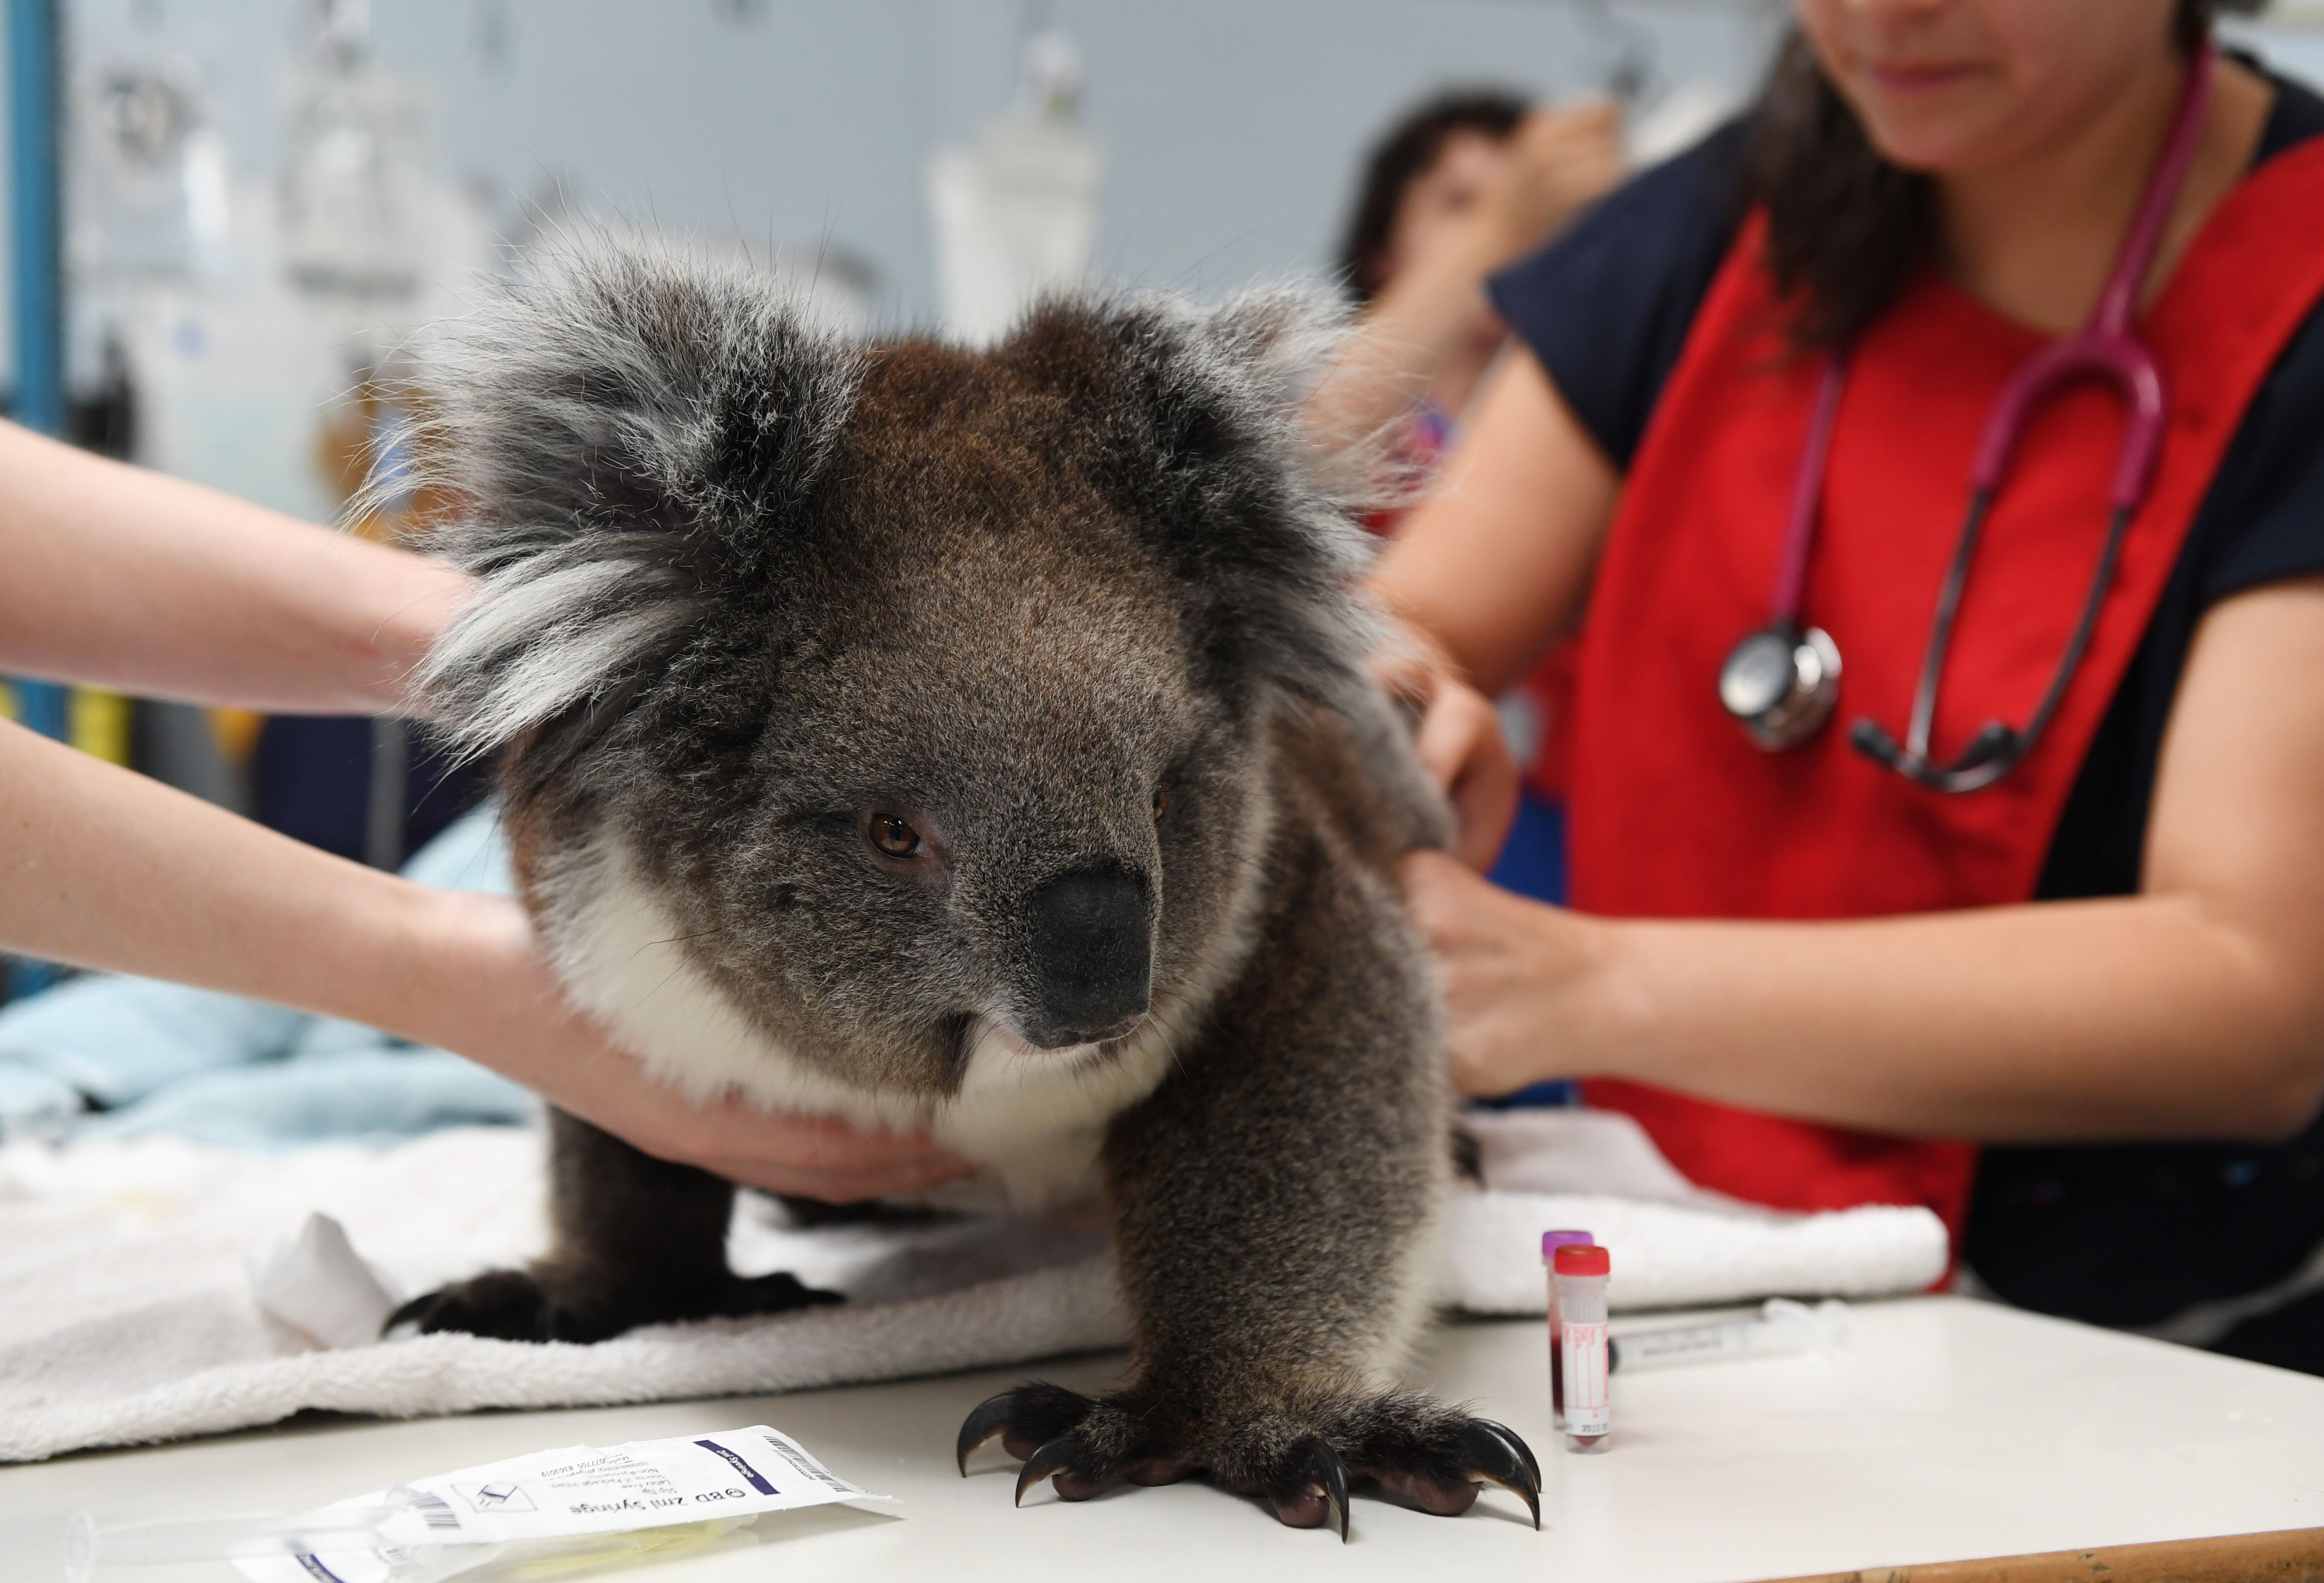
[894,837]
[1161,802]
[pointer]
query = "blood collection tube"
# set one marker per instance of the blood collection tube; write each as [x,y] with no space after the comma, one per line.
[1580,1276]
[1551,1240]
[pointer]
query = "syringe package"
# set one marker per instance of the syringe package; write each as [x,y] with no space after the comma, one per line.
[438,1527]
[612,1489]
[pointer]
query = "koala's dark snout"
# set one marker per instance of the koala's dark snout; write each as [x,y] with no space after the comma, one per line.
[1092,958]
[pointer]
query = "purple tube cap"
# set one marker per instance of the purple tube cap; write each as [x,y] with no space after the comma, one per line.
[1551,1240]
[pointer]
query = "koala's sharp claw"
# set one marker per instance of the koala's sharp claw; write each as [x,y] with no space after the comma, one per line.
[1045,1460]
[414,1312]
[1494,1458]
[1319,1468]
[991,1417]
[1517,1443]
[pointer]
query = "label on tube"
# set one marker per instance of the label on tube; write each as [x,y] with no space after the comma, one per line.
[1587,1407]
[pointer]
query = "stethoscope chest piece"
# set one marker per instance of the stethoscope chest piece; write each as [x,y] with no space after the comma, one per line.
[1781,683]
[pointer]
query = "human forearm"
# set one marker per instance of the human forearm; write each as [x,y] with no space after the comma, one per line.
[2156,1017]
[2137,1017]
[128,579]
[106,869]
[102,868]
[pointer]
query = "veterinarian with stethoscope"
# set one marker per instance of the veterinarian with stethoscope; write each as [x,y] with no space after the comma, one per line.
[1939,458]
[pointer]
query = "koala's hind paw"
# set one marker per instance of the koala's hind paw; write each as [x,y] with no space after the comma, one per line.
[1023,1420]
[1443,1469]
[1436,1459]
[518,1305]
[1037,1423]
[1312,1487]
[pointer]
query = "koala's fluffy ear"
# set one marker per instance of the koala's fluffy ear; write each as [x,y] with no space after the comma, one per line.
[1204,446]
[1208,447]
[622,430]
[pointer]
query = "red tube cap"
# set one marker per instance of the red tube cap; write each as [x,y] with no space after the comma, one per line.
[1583,1261]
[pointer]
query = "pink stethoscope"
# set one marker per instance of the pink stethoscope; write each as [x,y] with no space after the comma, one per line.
[1781,683]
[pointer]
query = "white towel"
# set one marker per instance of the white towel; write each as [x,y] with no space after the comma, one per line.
[126,1312]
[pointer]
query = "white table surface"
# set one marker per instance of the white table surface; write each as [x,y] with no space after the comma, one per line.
[1948,1429]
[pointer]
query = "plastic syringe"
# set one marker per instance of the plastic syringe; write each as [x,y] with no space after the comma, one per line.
[335,1530]
[1782,1326]
[355,1525]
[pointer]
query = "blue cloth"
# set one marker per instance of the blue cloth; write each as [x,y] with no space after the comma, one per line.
[111,1055]
[1532,859]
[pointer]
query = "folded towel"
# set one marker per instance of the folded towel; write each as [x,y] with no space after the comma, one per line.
[127,1314]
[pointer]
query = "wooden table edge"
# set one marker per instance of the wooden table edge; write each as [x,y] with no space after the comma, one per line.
[2289,1555]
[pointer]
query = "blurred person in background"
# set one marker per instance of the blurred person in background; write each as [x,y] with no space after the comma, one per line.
[1460,185]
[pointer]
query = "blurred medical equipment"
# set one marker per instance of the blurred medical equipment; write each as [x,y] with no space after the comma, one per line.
[1619,55]
[150,169]
[1782,681]
[1015,212]
[1619,59]
[353,182]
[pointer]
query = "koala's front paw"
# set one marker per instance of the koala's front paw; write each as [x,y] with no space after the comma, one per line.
[1299,1456]
[518,1305]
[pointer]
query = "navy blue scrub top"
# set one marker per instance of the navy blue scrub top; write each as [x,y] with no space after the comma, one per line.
[2120,1235]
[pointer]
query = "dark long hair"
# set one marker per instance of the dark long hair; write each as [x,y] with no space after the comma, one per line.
[1846,227]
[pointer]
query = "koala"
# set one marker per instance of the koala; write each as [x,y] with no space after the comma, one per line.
[981,741]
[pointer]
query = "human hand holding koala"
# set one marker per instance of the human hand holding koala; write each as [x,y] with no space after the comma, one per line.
[1458,740]
[495,999]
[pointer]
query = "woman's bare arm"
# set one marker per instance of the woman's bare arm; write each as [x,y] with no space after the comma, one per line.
[104,868]
[2195,1009]
[130,579]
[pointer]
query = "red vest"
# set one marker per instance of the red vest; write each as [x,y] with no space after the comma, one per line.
[1676,814]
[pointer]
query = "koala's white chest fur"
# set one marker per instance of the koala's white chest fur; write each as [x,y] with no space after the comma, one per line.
[1033,1119]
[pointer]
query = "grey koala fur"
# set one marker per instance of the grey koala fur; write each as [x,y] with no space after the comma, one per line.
[980,741]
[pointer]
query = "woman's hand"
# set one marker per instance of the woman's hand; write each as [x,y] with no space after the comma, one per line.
[1511,969]
[500,1005]
[1459,744]
[145,584]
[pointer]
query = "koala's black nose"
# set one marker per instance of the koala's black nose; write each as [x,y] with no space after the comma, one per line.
[1092,958]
